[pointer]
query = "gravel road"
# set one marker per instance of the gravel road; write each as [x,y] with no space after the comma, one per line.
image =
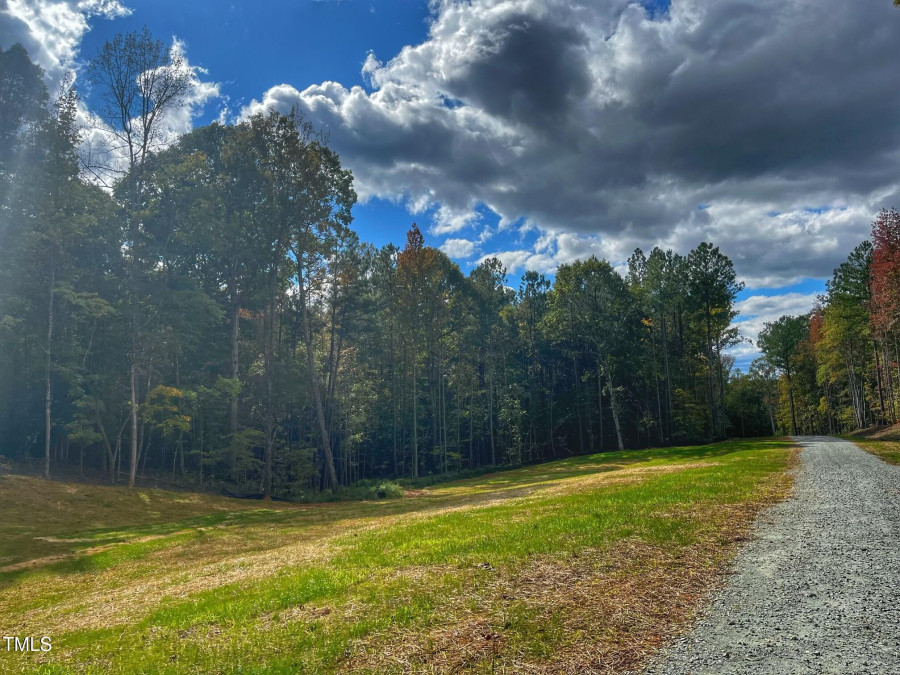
[818,588]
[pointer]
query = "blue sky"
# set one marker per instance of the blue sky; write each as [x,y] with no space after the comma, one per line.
[541,131]
[251,47]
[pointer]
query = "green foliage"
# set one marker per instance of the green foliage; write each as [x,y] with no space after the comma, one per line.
[372,489]
[23,97]
[267,348]
[691,417]
[162,411]
[779,339]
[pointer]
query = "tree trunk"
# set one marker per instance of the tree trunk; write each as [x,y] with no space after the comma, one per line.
[600,401]
[575,379]
[879,381]
[393,396]
[897,361]
[444,417]
[888,382]
[313,373]
[132,470]
[48,398]
[710,377]
[721,388]
[668,380]
[233,411]
[791,399]
[270,412]
[491,416]
[471,421]
[415,438]
[550,407]
[614,407]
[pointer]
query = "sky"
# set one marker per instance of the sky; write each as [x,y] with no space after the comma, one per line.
[545,131]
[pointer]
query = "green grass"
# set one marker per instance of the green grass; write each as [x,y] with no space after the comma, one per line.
[492,573]
[883,442]
[889,451]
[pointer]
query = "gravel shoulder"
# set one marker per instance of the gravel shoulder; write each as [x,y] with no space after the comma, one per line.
[817,590]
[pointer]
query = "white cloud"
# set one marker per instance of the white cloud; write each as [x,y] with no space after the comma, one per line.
[200,92]
[448,220]
[458,248]
[755,311]
[52,30]
[600,128]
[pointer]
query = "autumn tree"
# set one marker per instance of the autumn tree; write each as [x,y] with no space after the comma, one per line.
[884,306]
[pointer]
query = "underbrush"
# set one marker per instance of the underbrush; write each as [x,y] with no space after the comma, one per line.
[363,490]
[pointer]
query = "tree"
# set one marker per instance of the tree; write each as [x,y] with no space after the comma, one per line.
[215,313]
[841,350]
[778,342]
[23,99]
[884,305]
[713,287]
[884,271]
[416,276]
[590,308]
[141,81]
[55,220]
[763,374]
[319,211]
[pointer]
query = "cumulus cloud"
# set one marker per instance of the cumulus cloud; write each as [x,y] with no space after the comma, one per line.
[200,92]
[458,248]
[766,127]
[51,30]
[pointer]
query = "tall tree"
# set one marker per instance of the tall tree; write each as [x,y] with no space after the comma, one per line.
[778,342]
[23,99]
[590,308]
[141,81]
[713,288]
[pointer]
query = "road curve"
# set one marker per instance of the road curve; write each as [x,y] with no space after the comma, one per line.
[817,590]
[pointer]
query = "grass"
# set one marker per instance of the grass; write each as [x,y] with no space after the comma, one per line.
[883,442]
[580,565]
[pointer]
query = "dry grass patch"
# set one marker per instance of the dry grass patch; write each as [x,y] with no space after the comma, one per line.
[600,611]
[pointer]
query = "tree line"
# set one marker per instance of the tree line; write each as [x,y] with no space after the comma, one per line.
[837,368]
[200,308]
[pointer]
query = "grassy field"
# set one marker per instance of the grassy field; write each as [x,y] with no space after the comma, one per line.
[882,442]
[581,565]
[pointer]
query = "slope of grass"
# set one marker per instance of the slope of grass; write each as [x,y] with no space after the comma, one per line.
[583,564]
[47,518]
[883,442]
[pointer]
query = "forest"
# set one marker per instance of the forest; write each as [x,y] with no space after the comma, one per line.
[199,310]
